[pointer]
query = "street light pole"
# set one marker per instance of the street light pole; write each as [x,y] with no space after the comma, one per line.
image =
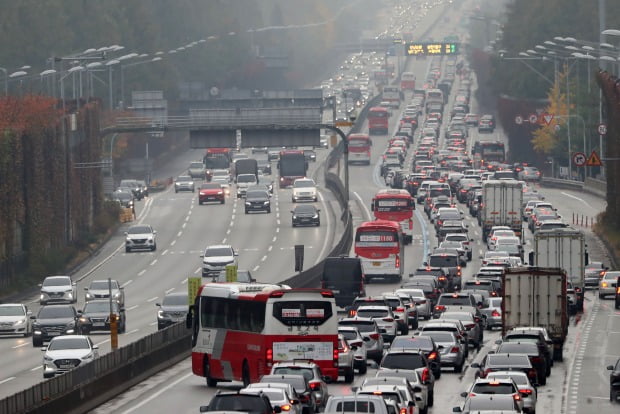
[6,81]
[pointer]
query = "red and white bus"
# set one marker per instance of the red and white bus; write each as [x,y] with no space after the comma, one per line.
[359,148]
[378,118]
[241,329]
[395,205]
[291,166]
[216,159]
[379,244]
[407,81]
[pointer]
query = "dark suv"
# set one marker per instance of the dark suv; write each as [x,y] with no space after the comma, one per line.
[240,401]
[257,200]
[172,310]
[614,381]
[54,320]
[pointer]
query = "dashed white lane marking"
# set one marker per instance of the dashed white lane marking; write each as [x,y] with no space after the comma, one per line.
[274,239]
[152,323]
[152,299]
[184,224]
[170,290]
[153,262]
[256,268]
[179,234]
[133,307]
[173,242]
[19,346]
[7,380]
[269,248]
[197,270]
[142,272]
[37,368]
[164,252]
[127,283]
[224,241]
[184,281]
[264,258]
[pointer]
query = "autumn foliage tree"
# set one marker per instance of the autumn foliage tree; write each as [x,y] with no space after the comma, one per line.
[545,139]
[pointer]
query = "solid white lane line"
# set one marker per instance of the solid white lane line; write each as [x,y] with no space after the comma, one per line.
[576,198]
[366,211]
[324,248]
[158,393]
[103,342]
[132,331]
[152,323]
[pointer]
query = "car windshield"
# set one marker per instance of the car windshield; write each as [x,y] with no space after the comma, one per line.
[455,300]
[439,336]
[362,326]
[175,300]
[56,281]
[51,312]
[121,195]
[210,187]
[303,184]
[495,388]
[305,209]
[306,372]
[182,178]
[372,313]
[403,361]
[139,230]
[100,307]
[68,343]
[246,178]
[517,377]
[422,343]
[348,335]
[7,310]
[103,285]
[218,251]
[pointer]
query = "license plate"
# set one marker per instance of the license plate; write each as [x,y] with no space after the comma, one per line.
[336,291]
[376,263]
[54,333]
[98,324]
[66,366]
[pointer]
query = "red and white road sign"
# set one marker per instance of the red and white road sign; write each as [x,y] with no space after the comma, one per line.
[533,118]
[518,119]
[602,129]
[547,118]
[579,159]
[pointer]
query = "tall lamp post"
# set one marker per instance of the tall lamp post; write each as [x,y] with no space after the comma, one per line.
[6,81]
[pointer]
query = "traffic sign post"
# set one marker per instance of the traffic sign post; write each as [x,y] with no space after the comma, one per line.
[579,159]
[594,160]
[518,119]
[547,118]
[533,118]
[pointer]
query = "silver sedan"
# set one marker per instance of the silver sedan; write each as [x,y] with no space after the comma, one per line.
[422,304]
[607,285]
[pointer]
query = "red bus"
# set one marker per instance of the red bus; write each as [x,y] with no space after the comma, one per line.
[378,117]
[407,81]
[291,166]
[395,205]
[239,330]
[379,244]
[216,159]
[359,148]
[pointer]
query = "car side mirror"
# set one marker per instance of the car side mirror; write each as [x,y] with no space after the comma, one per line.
[463,394]
[95,346]
[85,288]
[125,233]
[74,284]
[204,408]
[202,255]
[33,317]
[610,367]
[277,409]
[43,348]
[354,389]
[475,365]
[154,231]
[456,410]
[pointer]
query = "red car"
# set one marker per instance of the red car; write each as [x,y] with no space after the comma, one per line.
[211,192]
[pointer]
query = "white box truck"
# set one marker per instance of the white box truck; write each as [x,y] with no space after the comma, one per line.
[566,249]
[536,296]
[501,206]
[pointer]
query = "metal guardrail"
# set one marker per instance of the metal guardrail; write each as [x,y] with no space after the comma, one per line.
[591,185]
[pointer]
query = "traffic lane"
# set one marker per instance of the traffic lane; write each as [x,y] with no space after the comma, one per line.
[574,204]
[597,347]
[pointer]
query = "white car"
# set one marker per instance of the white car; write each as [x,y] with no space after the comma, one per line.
[15,319]
[278,397]
[304,189]
[422,304]
[100,289]
[355,340]
[58,289]
[140,236]
[244,181]
[67,352]
[216,257]
[383,316]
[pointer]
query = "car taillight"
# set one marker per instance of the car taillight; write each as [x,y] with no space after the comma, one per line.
[432,356]
[335,357]
[496,314]
[484,373]
[352,312]
[604,284]
[470,325]
[304,398]
[374,336]
[285,407]
[397,262]
[440,308]
[315,386]
[525,392]
[455,350]
[618,290]
[532,374]
[517,397]
[537,360]
[442,278]
[269,356]
[388,319]
[400,309]
[426,375]
[410,224]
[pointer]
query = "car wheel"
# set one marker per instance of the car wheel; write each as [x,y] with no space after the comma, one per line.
[154,248]
[176,191]
[211,382]
[269,210]
[318,223]
[246,211]
[37,342]
[294,225]
[245,374]
[363,369]
[349,376]
[431,398]
[459,368]
[127,249]
[222,202]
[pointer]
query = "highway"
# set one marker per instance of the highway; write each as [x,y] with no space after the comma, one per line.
[178,390]
[265,245]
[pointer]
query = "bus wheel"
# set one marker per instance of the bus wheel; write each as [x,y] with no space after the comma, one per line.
[211,382]
[245,374]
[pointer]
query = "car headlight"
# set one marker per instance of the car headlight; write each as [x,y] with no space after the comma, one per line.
[160,314]
[42,296]
[247,203]
[294,217]
[69,293]
[220,193]
[117,295]
[266,202]
[89,295]
[19,322]
[84,320]
[89,356]
[315,216]
[48,358]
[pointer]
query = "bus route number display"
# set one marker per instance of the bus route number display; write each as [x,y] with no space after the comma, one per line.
[431,49]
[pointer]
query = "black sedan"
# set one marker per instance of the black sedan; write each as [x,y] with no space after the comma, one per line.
[96,316]
[306,215]
[614,381]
